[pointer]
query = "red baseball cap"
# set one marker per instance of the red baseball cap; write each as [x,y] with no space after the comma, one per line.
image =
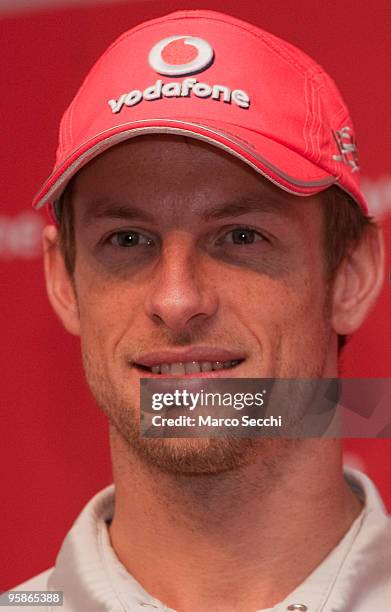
[211,76]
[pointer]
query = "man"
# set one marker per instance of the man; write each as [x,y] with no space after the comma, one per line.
[208,222]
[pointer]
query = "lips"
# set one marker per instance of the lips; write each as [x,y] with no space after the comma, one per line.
[195,361]
[180,368]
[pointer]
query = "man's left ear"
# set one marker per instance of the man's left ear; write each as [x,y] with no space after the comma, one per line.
[358,282]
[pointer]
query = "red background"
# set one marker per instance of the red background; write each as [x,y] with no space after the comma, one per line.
[54,440]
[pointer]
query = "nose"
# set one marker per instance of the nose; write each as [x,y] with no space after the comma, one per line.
[181,290]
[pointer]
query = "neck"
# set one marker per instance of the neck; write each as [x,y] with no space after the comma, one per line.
[196,542]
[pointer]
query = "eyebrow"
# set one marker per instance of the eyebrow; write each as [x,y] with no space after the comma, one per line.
[247,204]
[112,209]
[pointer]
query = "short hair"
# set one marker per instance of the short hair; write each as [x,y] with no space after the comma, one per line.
[344,222]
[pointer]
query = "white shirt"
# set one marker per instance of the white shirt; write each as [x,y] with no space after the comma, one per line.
[355,577]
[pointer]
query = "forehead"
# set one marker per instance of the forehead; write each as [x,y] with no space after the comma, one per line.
[166,173]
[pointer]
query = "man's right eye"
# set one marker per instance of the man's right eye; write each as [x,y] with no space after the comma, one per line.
[129,238]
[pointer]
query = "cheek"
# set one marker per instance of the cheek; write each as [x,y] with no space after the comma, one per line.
[297,292]
[107,309]
[287,316]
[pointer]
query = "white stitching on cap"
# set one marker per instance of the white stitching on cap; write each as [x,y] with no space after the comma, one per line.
[119,137]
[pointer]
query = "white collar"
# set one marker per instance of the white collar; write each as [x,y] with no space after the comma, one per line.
[94,580]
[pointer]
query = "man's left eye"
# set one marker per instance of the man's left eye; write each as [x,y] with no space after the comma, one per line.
[129,239]
[242,235]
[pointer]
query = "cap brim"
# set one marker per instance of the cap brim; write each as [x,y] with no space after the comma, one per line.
[274,160]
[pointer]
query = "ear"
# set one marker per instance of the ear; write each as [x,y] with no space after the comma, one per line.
[358,282]
[59,285]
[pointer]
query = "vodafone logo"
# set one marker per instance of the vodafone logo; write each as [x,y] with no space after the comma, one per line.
[176,56]
[180,55]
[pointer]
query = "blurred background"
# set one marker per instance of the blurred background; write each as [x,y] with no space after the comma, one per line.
[54,450]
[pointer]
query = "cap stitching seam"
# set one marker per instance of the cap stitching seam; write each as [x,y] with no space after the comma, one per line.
[70,122]
[307,115]
[312,116]
[317,135]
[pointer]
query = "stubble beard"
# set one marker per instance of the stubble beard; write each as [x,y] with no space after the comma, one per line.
[196,456]
[171,455]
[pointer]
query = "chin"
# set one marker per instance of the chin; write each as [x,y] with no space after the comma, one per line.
[190,456]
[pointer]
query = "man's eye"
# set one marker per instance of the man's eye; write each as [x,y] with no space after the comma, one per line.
[129,239]
[242,235]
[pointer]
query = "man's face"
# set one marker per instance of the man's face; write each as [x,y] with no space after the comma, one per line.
[188,261]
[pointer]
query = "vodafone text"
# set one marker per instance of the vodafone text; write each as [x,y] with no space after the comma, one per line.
[181,89]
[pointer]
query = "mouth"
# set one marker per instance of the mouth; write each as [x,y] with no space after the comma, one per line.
[190,368]
[194,361]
